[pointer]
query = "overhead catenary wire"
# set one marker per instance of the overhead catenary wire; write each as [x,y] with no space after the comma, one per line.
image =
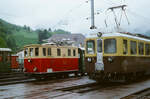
[70,11]
[135,14]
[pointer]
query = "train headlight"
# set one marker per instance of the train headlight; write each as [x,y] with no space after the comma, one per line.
[24,70]
[89,59]
[110,59]
[29,60]
[35,69]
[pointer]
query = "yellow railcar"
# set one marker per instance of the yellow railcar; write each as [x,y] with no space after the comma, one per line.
[117,56]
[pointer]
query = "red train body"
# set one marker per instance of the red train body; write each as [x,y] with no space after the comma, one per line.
[50,65]
[14,62]
[50,59]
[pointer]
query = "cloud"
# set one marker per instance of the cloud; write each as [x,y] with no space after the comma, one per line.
[71,14]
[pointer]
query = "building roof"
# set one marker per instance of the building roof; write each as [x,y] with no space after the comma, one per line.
[77,38]
[5,49]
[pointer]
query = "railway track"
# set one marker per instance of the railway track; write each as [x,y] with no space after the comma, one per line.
[14,78]
[142,94]
[87,87]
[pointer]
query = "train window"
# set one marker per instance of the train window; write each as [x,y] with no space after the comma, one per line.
[44,51]
[133,47]
[31,52]
[125,47]
[0,56]
[49,51]
[36,51]
[74,52]
[90,47]
[4,56]
[69,52]
[26,52]
[141,48]
[110,46]
[147,49]
[99,45]
[58,52]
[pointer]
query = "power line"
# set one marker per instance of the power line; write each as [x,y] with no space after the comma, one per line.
[139,15]
[70,11]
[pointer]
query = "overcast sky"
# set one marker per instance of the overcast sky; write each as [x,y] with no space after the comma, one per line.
[72,15]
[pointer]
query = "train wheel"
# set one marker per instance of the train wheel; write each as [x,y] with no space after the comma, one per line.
[65,76]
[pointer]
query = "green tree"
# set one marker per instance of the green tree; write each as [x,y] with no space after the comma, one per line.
[2,43]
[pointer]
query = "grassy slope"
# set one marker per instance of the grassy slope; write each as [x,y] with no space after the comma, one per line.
[24,37]
[21,35]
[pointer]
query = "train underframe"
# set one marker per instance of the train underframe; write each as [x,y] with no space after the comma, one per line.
[101,76]
[43,76]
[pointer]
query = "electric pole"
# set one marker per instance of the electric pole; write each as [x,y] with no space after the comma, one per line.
[92,16]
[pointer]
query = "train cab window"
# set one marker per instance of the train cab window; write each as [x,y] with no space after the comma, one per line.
[99,45]
[31,52]
[44,51]
[26,52]
[69,52]
[125,47]
[49,51]
[58,52]
[133,47]
[90,47]
[74,52]
[141,48]
[36,51]
[147,49]
[110,46]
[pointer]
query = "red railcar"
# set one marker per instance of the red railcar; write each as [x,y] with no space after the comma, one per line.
[14,62]
[50,60]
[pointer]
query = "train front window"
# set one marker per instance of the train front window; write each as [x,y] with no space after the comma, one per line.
[26,52]
[44,51]
[74,52]
[49,51]
[31,52]
[36,51]
[141,48]
[147,49]
[58,52]
[90,47]
[99,45]
[125,47]
[110,46]
[133,47]
[69,52]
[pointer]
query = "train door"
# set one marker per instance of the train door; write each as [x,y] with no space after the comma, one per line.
[99,66]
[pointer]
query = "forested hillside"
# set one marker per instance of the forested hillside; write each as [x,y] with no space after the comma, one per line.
[15,37]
